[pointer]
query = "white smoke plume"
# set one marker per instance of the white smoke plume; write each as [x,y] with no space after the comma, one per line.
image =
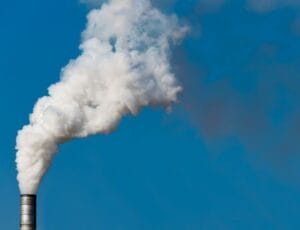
[124,66]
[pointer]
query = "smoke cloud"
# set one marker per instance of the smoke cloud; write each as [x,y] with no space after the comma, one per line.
[263,6]
[124,66]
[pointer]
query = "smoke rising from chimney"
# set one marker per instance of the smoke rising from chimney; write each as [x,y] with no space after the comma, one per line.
[124,66]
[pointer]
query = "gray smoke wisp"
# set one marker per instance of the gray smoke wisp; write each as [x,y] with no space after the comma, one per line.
[124,65]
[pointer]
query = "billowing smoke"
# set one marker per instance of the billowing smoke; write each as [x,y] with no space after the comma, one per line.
[124,66]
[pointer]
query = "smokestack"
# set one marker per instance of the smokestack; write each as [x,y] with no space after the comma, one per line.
[28,212]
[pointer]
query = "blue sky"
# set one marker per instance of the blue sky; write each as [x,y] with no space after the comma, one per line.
[227,157]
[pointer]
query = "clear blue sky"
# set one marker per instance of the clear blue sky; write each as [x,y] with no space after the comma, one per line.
[227,157]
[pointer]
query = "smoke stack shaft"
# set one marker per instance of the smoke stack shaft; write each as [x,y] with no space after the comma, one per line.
[28,212]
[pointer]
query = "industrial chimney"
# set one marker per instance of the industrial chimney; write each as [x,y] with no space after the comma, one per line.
[28,212]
